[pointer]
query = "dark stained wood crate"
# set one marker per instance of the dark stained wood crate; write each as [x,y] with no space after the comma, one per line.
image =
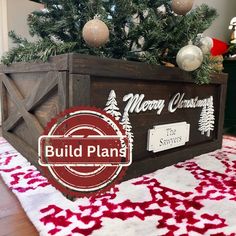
[33,93]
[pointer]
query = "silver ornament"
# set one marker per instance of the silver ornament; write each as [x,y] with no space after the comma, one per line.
[189,58]
[205,44]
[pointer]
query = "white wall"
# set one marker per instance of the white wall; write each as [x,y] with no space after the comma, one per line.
[3,26]
[226,10]
[13,16]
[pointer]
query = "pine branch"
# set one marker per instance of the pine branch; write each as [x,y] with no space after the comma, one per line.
[203,74]
[40,50]
[16,38]
[232,49]
[138,31]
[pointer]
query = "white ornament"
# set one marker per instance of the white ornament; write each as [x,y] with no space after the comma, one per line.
[207,118]
[206,44]
[45,10]
[111,106]
[189,58]
[162,9]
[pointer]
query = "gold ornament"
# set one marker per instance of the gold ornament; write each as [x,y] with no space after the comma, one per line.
[217,63]
[168,64]
[182,7]
[95,33]
[189,58]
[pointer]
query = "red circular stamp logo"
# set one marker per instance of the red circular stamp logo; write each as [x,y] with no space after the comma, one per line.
[84,151]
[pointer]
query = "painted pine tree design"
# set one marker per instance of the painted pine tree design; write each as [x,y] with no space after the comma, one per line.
[210,117]
[111,106]
[203,120]
[128,128]
[207,119]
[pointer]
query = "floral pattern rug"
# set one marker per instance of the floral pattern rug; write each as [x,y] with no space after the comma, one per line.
[196,197]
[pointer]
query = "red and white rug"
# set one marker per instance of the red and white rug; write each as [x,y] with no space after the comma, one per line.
[197,197]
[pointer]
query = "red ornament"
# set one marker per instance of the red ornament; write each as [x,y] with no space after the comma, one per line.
[219,47]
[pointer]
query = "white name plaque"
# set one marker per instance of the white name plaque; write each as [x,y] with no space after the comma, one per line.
[164,137]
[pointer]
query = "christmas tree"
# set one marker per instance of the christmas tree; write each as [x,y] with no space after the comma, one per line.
[207,119]
[141,30]
[111,106]
[210,117]
[128,128]
[203,121]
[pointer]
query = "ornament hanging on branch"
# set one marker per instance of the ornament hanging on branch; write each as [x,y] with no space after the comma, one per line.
[205,44]
[217,63]
[182,7]
[189,58]
[95,33]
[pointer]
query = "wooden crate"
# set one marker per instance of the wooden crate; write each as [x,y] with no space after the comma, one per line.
[33,93]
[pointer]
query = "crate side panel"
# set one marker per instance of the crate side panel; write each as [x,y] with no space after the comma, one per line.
[32,100]
[144,121]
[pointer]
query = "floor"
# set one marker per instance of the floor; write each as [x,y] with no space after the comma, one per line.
[13,220]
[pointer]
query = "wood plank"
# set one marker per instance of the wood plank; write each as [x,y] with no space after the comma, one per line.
[80,90]
[38,94]
[3,93]
[45,86]
[17,98]
[86,64]
[150,165]
[113,68]
[221,110]
[22,147]
[57,63]
[63,90]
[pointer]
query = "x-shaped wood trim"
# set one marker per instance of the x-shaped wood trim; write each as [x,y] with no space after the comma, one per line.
[24,105]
